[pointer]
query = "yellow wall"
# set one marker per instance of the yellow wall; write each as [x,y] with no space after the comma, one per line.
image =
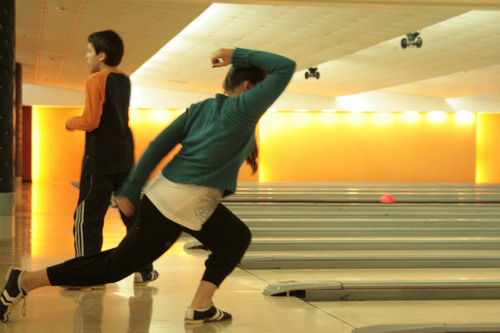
[312,146]
[488,147]
[57,153]
[367,147]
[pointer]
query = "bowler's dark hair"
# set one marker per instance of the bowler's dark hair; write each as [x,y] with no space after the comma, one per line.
[109,42]
[235,77]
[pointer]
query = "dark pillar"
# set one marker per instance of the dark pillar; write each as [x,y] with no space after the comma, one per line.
[7,118]
[26,167]
[19,125]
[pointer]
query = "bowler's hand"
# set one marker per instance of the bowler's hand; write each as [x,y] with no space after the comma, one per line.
[222,58]
[125,206]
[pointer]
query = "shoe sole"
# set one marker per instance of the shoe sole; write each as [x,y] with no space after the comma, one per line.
[203,321]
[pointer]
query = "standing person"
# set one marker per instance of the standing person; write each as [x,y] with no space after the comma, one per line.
[217,136]
[109,145]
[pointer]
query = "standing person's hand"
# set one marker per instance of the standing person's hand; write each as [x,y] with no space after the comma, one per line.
[68,126]
[223,57]
[125,206]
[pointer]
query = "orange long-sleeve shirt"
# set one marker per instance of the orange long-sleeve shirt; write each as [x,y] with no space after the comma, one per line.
[109,144]
[94,100]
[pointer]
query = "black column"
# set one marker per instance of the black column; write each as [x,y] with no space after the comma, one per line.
[7,118]
[18,127]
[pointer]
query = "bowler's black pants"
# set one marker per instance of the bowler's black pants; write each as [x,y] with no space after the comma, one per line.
[224,233]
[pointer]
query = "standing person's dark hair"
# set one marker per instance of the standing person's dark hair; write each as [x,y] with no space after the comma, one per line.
[109,42]
[216,136]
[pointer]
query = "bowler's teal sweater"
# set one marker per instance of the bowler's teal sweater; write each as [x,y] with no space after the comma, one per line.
[217,135]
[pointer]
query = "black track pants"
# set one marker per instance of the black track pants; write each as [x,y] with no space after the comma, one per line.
[152,235]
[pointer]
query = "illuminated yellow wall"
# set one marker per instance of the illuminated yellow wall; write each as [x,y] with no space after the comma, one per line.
[57,153]
[146,125]
[367,147]
[311,146]
[488,148]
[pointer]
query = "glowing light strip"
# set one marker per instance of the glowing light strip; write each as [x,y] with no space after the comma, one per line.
[409,117]
[35,145]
